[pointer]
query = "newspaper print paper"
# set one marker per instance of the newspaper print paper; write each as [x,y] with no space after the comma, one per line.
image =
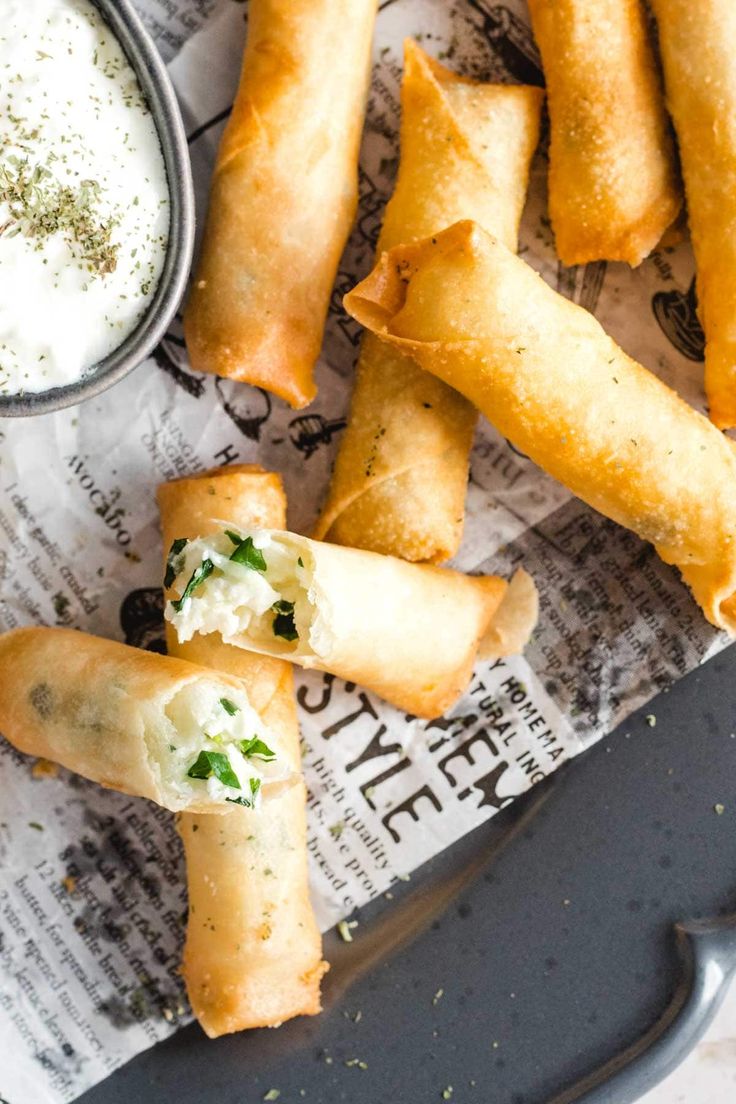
[92,898]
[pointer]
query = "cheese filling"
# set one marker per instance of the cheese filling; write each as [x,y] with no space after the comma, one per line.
[218,746]
[254,586]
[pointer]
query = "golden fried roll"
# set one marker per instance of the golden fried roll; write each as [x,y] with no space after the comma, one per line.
[179,734]
[253,955]
[613,189]
[544,372]
[402,468]
[409,632]
[283,195]
[698,44]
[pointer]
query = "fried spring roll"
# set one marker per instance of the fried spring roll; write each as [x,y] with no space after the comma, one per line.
[402,468]
[253,955]
[613,189]
[149,725]
[544,372]
[410,632]
[698,44]
[283,195]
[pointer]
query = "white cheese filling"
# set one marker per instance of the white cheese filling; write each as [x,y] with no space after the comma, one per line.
[218,746]
[264,596]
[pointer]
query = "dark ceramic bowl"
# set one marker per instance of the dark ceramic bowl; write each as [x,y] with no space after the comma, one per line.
[154,80]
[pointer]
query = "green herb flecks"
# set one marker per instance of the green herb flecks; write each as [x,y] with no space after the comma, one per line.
[41,207]
[214,764]
[199,575]
[174,561]
[283,623]
[256,749]
[229,706]
[247,803]
[247,554]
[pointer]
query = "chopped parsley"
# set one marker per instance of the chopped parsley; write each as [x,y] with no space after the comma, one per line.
[247,554]
[255,785]
[214,764]
[229,707]
[199,575]
[173,561]
[283,623]
[256,749]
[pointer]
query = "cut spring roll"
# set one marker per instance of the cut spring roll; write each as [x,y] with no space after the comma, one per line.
[283,195]
[698,45]
[410,632]
[149,725]
[544,372]
[613,189]
[253,955]
[402,468]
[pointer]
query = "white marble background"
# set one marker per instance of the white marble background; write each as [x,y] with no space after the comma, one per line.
[708,1075]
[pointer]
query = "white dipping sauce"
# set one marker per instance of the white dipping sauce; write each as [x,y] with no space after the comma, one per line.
[84,199]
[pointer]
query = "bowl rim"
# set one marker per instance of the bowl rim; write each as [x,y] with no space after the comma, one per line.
[155,82]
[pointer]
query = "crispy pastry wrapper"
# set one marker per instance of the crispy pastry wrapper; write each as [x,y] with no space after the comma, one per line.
[513,622]
[408,632]
[402,468]
[253,955]
[549,378]
[613,188]
[698,46]
[283,195]
[104,710]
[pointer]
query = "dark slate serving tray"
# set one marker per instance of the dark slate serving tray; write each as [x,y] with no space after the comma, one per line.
[549,930]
